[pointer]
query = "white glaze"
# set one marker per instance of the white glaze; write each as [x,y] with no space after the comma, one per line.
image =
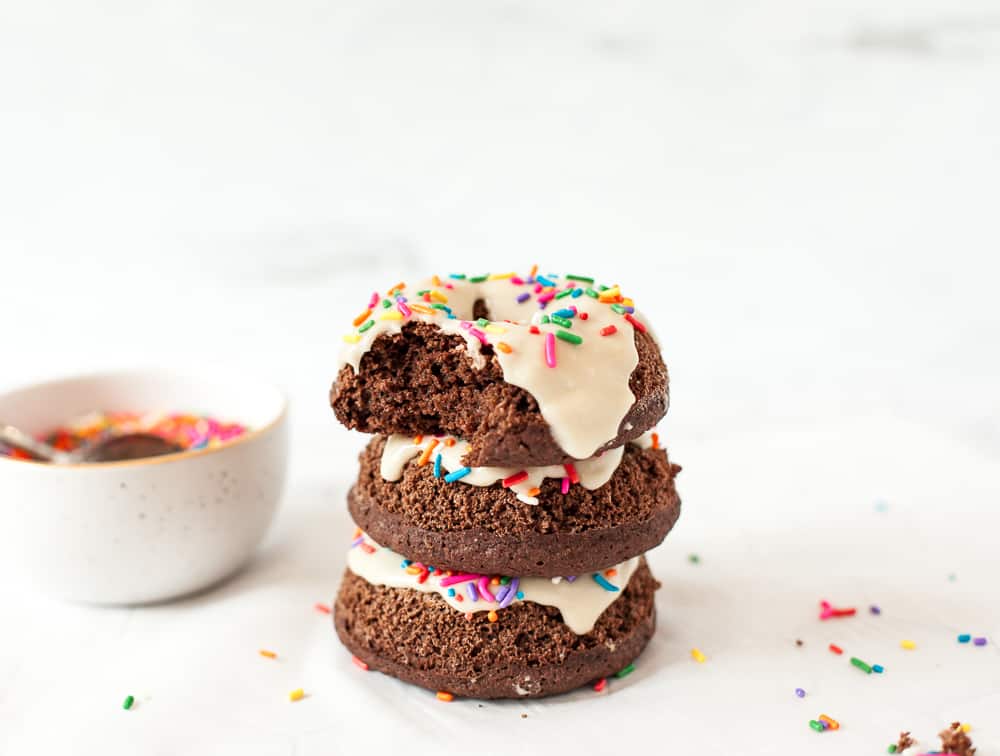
[580,602]
[584,399]
[399,450]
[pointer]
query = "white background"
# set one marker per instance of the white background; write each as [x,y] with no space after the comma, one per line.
[802,196]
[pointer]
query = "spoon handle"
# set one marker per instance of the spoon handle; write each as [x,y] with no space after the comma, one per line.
[18,439]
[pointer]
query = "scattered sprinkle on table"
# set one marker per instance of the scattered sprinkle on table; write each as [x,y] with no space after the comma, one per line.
[268,654]
[863,666]
[800,693]
[908,645]
[964,638]
[878,669]
[694,559]
[979,642]
[129,700]
[874,609]
[697,655]
[296,695]
[323,608]
[836,649]
[443,695]
[601,684]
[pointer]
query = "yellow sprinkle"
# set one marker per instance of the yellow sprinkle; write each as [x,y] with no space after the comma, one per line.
[391,315]
[504,347]
[297,695]
[492,616]
[411,570]
[422,309]
[697,655]
[268,654]
[494,329]
[627,301]
[437,296]
[966,727]
[500,276]
[908,645]
[443,695]
[352,338]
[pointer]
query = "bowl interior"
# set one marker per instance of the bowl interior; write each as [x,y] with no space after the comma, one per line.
[226,396]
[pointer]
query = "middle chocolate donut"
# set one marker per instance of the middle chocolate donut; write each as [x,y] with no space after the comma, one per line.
[540,522]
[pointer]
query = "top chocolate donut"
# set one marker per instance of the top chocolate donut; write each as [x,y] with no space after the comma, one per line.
[532,370]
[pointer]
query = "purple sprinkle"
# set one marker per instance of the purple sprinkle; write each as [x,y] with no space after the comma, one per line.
[874,609]
[501,593]
[524,297]
[470,589]
[511,593]
[357,541]
[800,693]
[979,641]
[570,578]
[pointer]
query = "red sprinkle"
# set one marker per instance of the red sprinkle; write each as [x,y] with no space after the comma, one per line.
[359,664]
[601,684]
[574,476]
[323,608]
[367,548]
[608,330]
[583,315]
[514,479]
[635,323]
[534,329]
[836,649]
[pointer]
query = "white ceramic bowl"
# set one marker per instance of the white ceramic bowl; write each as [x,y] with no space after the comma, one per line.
[149,529]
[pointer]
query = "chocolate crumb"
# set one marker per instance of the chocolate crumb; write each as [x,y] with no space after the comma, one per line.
[524,716]
[798,642]
[954,740]
[905,741]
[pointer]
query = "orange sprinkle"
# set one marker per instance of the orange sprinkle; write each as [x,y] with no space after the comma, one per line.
[443,695]
[362,317]
[534,270]
[268,654]
[449,442]
[610,573]
[436,280]
[458,597]
[422,309]
[418,439]
[495,581]
[426,456]
[322,608]
[656,440]
[357,532]
[534,492]
[504,347]
[437,296]
[398,287]
[359,664]
[492,616]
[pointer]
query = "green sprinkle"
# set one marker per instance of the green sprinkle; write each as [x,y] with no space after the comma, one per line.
[505,580]
[602,287]
[861,665]
[626,671]
[564,293]
[572,338]
[439,306]
[545,319]
[479,279]
[482,322]
[423,291]
[892,748]
[620,309]
[591,293]
[817,726]
[129,700]
[694,558]
[386,304]
[366,326]
[585,279]
[559,320]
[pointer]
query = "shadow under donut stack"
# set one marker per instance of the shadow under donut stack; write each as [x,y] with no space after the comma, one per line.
[515,483]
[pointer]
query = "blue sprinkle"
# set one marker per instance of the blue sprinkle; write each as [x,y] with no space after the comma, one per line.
[437,466]
[405,563]
[520,595]
[576,293]
[565,313]
[524,297]
[451,591]
[458,276]
[878,669]
[457,475]
[599,579]
[430,569]
[544,281]
[964,638]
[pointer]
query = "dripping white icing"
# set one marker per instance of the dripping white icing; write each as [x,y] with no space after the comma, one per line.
[584,398]
[399,450]
[581,602]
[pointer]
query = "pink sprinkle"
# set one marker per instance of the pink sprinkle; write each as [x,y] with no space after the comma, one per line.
[546,297]
[373,301]
[446,581]
[565,486]
[466,325]
[484,589]
[401,306]
[550,350]
[538,288]
[478,334]
[517,281]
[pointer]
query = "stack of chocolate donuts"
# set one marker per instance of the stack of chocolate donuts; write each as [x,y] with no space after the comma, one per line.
[515,483]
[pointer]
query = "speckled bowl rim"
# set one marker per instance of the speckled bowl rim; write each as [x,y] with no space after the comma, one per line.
[175,457]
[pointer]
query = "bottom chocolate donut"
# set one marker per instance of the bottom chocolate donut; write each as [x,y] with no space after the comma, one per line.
[528,652]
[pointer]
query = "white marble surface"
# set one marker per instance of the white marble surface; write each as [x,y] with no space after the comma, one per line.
[803,196]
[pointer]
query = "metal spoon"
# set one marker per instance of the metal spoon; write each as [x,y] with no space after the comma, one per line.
[115,449]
